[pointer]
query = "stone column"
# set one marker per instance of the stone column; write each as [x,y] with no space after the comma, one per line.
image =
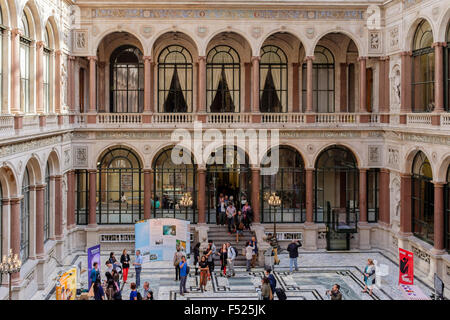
[309,83]
[92,85]
[39,77]
[58,208]
[255,192]
[405,200]
[71,84]
[363,195]
[92,198]
[201,198]
[309,196]
[439,221]
[58,54]
[15,71]
[247,87]
[384,200]
[15,232]
[295,87]
[147,85]
[147,193]
[40,191]
[70,200]
[101,87]
[201,108]
[405,103]
[255,84]
[343,81]
[381,86]
[439,76]
[362,85]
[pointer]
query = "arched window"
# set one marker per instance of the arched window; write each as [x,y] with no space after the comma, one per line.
[447,70]
[25,218]
[223,79]
[422,195]
[323,81]
[289,184]
[47,204]
[46,67]
[82,192]
[127,80]
[1,223]
[25,41]
[423,69]
[447,210]
[175,80]
[336,194]
[273,80]
[119,187]
[171,182]
[2,29]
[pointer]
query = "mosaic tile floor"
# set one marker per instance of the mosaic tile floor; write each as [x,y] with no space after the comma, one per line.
[318,271]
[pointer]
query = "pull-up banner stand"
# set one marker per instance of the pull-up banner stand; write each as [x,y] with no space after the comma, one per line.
[406,274]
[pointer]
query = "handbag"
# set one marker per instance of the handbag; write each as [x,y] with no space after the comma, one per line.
[91,291]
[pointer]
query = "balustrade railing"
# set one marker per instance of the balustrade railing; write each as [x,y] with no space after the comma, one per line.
[336,118]
[445,120]
[419,119]
[228,118]
[30,123]
[283,118]
[172,118]
[119,118]
[6,125]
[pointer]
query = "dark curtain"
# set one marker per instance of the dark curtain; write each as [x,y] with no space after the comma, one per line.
[222,101]
[175,101]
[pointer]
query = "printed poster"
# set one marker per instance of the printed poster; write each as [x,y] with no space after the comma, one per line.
[66,286]
[406,274]
[93,254]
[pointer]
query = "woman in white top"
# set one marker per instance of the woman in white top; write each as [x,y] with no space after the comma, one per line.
[369,276]
[249,255]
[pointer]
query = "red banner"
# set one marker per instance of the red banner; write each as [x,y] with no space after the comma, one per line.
[406,275]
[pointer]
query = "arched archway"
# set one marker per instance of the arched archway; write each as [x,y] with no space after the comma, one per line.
[289,184]
[447,211]
[422,197]
[171,182]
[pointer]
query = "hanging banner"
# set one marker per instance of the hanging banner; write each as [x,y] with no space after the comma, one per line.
[406,274]
[158,239]
[66,285]
[93,255]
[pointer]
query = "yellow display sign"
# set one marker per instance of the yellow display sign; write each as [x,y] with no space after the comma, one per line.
[66,286]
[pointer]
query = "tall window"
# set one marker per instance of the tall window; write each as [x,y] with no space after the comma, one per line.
[273,80]
[223,78]
[171,182]
[323,81]
[175,80]
[289,184]
[82,192]
[1,222]
[127,80]
[447,211]
[46,72]
[25,218]
[47,204]
[447,71]
[422,199]
[119,187]
[25,41]
[423,69]
[1,59]
[373,191]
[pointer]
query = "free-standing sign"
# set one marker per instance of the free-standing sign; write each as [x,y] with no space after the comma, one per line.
[406,274]
[93,254]
[66,287]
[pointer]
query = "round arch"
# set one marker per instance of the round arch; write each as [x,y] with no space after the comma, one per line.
[54,163]
[410,155]
[124,29]
[113,146]
[441,34]
[8,181]
[293,146]
[34,20]
[441,174]
[239,46]
[301,42]
[55,35]
[361,48]
[356,155]
[411,31]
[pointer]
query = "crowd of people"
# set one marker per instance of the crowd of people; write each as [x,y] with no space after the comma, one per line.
[237,220]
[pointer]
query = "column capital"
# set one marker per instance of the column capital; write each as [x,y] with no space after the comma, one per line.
[385,170]
[56,177]
[439,44]
[312,58]
[310,169]
[40,187]
[148,59]
[40,44]
[6,202]
[363,169]
[384,58]
[92,58]
[101,64]
[58,52]
[295,64]
[201,168]
[439,184]
[16,32]
[201,58]
[362,58]
[255,58]
[255,168]
[148,171]
[406,53]
[70,57]
[91,171]
[405,175]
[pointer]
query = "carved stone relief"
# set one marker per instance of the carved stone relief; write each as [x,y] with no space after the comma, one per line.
[395,88]
[375,155]
[374,42]
[80,156]
[80,40]
[393,157]
[393,38]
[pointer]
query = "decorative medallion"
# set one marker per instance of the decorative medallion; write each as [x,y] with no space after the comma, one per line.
[256,32]
[310,148]
[147,149]
[202,31]
[310,32]
[146,31]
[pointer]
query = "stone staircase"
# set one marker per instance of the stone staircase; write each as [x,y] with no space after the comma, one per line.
[219,235]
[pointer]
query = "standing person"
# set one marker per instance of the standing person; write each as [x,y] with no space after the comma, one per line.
[183,276]
[213,252]
[112,259]
[247,211]
[116,277]
[335,293]
[196,251]
[176,263]
[133,293]
[99,293]
[223,259]
[254,244]
[272,280]
[230,212]
[248,255]
[123,199]
[272,239]
[110,289]
[125,261]
[293,254]
[147,293]
[221,208]
[239,222]
[231,255]
[95,274]
[266,291]
[138,268]
[209,258]
[204,271]
[369,276]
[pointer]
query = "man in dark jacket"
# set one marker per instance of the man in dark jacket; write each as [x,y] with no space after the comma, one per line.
[335,293]
[272,280]
[293,254]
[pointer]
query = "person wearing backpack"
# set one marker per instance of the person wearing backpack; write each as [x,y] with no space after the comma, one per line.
[231,256]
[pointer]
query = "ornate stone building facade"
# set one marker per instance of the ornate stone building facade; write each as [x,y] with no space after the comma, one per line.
[91,92]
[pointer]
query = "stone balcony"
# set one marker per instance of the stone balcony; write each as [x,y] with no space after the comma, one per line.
[20,126]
